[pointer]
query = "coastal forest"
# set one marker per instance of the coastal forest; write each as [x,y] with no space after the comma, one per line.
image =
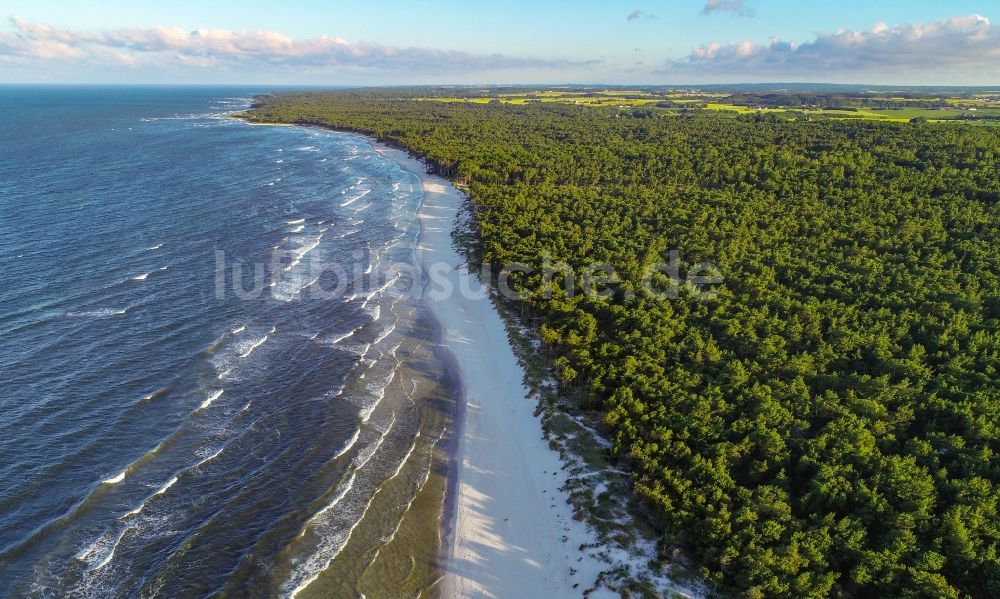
[825,422]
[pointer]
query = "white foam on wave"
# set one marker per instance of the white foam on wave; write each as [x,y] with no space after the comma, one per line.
[348,232]
[388,331]
[406,457]
[358,463]
[104,543]
[300,253]
[295,222]
[138,509]
[208,400]
[121,475]
[298,229]
[423,481]
[334,393]
[134,511]
[155,247]
[288,291]
[141,277]
[338,338]
[359,350]
[166,485]
[377,390]
[396,276]
[251,346]
[115,479]
[310,283]
[330,547]
[205,460]
[238,330]
[355,198]
[111,554]
[368,298]
[347,446]
[329,506]
[99,313]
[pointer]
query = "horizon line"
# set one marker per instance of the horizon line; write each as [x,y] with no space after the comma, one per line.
[495,84]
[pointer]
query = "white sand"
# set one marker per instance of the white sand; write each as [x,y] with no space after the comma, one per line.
[514,536]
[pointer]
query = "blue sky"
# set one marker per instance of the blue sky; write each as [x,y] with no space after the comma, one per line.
[451,41]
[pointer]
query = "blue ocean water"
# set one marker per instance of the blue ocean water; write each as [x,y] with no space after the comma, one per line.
[160,434]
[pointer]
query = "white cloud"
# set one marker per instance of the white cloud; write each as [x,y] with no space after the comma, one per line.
[33,41]
[933,49]
[733,6]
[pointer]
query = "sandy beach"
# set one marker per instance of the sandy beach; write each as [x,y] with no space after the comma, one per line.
[513,533]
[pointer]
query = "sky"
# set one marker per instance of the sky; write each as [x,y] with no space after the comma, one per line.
[380,42]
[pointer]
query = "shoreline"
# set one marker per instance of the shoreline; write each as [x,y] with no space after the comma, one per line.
[509,529]
[590,539]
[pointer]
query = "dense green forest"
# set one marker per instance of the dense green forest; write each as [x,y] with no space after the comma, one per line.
[827,425]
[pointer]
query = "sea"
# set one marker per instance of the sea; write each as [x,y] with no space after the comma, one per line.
[218,377]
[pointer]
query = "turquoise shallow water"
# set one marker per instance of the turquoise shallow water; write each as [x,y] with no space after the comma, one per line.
[160,436]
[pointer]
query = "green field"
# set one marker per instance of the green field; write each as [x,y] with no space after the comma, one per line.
[979,110]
